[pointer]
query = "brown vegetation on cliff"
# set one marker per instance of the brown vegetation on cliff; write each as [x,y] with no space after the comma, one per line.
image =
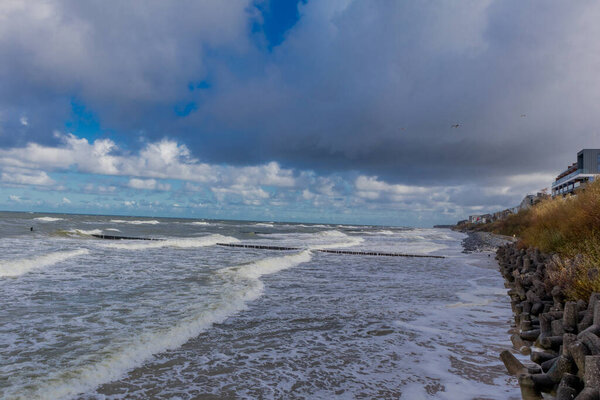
[568,227]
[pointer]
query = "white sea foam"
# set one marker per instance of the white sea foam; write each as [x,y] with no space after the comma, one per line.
[21,266]
[113,229]
[381,232]
[328,239]
[183,243]
[135,222]
[199,223]
[48,219]
[347,241]
[269,225]
[126,356]
[120,359]
[122,335]
[331,233]
[256,269]
[83,232]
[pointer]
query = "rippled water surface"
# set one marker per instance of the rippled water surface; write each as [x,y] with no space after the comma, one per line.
[184,318]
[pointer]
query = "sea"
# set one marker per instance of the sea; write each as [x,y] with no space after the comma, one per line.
[186,318]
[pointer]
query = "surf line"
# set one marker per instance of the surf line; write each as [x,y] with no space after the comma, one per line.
[357,253]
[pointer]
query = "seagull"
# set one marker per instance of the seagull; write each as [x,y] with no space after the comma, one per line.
[523,115]
[455,125]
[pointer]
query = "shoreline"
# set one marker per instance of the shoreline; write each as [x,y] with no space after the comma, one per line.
[561,338]
[477,241]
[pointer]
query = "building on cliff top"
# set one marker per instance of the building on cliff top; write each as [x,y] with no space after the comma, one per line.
[527,202]
[578,174]
[530,200]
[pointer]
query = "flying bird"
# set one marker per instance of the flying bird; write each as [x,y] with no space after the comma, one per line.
[523,115]
[455,125]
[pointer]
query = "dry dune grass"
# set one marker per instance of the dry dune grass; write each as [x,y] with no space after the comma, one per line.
[569,227]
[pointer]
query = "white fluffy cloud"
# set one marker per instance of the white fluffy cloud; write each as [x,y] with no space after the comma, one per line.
[267,185]
[370,187]
[165,159]
[22,176]
[149,184]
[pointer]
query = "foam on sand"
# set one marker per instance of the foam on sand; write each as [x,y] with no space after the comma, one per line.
[117,359]
[183,243]
[18,267]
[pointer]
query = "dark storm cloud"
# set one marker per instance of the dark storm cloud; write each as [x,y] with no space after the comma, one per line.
[377,86]
[368,86]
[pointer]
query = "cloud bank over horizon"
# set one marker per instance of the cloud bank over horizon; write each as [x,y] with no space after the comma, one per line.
[338,111]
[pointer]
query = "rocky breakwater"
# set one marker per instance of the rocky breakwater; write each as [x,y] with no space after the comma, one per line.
[561,337]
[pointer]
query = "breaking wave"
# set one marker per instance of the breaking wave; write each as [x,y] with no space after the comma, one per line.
[77,233]
[135,222]
[122,358]
[86,233]
[348,241]
[48,219]
[184,243]
[256,269]
[18,267]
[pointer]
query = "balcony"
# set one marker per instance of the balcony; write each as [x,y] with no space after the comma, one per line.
[567,177]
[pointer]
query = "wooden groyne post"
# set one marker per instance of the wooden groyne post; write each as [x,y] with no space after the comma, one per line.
[356,253]
[283,248]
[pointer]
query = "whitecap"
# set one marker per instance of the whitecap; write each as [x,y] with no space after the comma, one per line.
[123,357]
[256,269]
[21,266]
[348,241]
[48,219]
[184,243]
[83,232]
[332,233]
[135,222]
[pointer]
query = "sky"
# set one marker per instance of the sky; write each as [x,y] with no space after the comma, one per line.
[386,112]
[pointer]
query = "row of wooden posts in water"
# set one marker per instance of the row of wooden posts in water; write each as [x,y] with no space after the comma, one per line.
[281,248]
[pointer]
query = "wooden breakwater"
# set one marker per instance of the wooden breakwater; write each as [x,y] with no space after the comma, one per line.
[283,248]
[561,337]
[257,246]
[111,237]
[357,253]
